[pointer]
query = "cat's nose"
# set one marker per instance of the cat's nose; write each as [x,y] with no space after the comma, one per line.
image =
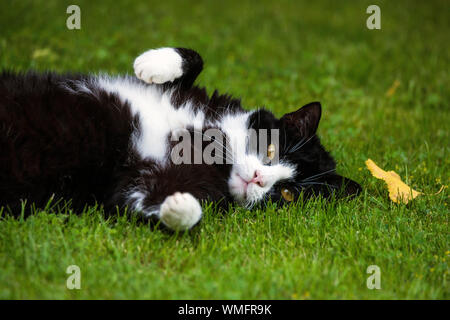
[257,178]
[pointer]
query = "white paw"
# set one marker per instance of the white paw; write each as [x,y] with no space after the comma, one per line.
[159,65]
[180,211]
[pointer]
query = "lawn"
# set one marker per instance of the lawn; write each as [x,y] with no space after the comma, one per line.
[278,54]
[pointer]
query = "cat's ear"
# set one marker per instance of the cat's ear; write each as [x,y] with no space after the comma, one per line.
[305,120]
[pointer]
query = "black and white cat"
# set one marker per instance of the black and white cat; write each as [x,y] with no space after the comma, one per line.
[108,140]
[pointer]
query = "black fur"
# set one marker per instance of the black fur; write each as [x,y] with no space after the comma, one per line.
[54,142]
[66,144]
[299,144]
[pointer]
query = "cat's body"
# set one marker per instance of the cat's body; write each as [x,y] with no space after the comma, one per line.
[100,139]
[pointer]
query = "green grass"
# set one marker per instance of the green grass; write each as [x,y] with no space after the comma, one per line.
[281,55]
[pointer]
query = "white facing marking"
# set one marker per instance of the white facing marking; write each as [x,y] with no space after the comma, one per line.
[245,165]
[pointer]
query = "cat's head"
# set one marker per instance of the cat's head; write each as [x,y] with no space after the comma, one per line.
[303,164]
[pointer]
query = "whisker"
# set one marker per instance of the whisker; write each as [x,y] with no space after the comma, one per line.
[314,177]
[291,146]
[228,152]
[296,147]
[249,205]
[317,183]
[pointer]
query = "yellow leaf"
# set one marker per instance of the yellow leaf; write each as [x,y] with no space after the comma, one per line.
[398,190]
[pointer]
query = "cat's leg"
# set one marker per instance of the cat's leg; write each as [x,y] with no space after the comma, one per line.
[179,211]
[170,66]
[171,193]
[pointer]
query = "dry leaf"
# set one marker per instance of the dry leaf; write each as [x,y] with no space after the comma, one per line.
[398,190]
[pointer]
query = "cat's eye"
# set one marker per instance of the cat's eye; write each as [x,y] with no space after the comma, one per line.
[271,151]
[287,194]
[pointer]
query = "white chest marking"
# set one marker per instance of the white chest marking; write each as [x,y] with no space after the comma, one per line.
[235,127]
[158,117]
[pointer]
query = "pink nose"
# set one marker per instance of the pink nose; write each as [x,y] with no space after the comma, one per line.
[257,179]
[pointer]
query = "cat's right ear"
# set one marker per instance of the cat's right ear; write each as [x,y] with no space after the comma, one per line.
[305,120]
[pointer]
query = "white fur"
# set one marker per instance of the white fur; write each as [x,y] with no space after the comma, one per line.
[158,117]
[136,200]
[235,127]
[180,211]
[159,65]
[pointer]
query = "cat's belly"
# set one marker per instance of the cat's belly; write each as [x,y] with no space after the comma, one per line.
[158,122]
[158,118]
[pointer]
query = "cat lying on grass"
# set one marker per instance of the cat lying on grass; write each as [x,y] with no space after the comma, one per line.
[111,140]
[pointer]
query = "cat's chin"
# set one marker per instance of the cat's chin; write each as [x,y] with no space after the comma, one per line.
[245,195]
[238,188]
[239,198]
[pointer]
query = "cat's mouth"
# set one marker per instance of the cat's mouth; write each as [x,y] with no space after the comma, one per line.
[244,182]
[242,188]
[238,187]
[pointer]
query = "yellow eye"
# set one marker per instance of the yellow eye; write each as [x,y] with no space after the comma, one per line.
[271,151]
[287,194]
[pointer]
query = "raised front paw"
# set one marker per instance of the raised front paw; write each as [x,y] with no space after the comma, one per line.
[159,65]
[180,211]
